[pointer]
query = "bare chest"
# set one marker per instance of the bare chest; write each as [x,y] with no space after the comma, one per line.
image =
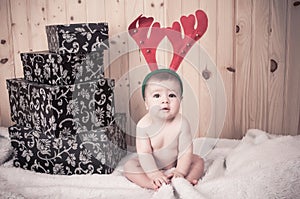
[165,139]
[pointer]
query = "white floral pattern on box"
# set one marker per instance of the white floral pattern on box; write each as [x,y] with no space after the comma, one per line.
[77,38]
[87,152]
[62,69]
[62,109]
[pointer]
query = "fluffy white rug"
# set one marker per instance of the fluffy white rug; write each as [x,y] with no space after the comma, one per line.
[258,166]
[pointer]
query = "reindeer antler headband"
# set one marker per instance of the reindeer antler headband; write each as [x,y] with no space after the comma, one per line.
[181,45]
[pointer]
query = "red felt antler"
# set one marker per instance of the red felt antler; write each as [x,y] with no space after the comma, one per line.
[147,45]
[182,45]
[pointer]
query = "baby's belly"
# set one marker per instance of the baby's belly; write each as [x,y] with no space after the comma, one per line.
[165,158]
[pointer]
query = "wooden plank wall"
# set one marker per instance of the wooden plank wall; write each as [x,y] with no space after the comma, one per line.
[251,44]
[267,68]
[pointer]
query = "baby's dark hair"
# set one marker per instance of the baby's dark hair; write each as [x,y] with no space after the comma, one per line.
[162,74]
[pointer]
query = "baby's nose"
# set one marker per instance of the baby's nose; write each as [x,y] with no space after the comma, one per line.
[165,100]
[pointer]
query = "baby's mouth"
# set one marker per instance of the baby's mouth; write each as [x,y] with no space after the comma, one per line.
[165,109]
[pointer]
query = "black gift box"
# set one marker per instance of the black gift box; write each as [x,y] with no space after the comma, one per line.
[62,69]
[61,109]
[87,152]
[77,38]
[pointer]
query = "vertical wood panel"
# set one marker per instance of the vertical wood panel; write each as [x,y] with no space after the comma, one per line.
[118,58]
[37,20]
[115,17]
[156,9]
[95,11]
[191,75]
[258,88]
[242,60]
[20,31]
[277,53]
[7,62]
[225,32]
[134,77]
[118,61]
[56,12]
[173,13]
[292,80]
[209,42]
[76,11]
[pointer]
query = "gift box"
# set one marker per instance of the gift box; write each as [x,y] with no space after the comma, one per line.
[62,69]
[62,109]
[77,38]
[87,152]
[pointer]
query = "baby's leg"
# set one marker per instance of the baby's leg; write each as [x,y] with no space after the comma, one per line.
[196,170]
[134,172]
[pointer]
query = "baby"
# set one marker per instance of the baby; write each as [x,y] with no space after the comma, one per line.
[163,137]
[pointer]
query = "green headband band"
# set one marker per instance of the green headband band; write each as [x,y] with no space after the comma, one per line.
[158,71]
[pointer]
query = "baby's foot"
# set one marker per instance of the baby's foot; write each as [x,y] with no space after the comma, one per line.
[193,181]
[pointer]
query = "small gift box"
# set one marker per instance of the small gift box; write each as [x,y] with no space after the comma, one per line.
[63,109]
[89,152]
[77,38]
[62,69]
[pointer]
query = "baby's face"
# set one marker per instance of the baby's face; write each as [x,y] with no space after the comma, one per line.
[162,99]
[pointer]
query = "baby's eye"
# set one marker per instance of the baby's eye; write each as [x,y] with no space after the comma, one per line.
[172,95]
[156,95]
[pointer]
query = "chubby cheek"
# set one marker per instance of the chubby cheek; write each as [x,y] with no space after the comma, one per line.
[154,110]
[175,106]
[150,104]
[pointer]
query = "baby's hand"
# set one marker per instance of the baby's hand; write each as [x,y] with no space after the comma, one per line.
[158,178]
[175,174]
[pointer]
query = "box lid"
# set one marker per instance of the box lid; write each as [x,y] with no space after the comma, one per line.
[79,27]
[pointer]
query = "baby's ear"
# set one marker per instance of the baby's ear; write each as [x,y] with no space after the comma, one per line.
[146,105]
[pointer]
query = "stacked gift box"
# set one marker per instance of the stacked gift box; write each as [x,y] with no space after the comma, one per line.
[63,108]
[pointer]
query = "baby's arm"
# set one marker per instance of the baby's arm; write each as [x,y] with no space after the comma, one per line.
[185,148]
[146,159]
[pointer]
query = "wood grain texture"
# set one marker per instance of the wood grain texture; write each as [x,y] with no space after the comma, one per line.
[38,20]
[292,80]
[225,33]
[20,31]
[277,52]
[208,117]
[132,80]
[243,52]
[258,88]
[115,12]
[56,12]
[76,11]
[255,96]
[7,69]
[191,76]
[95,11]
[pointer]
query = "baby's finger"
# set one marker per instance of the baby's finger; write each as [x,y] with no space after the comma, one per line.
[154,185]
[166,180]
[177,175]
[170,175]
[157,182]
[162,181]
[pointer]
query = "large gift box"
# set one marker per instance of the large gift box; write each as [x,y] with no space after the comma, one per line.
[62,69]
[77,38]
[63,109]
[88,152]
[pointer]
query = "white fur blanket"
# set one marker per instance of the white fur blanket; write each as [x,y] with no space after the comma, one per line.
[258,166]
